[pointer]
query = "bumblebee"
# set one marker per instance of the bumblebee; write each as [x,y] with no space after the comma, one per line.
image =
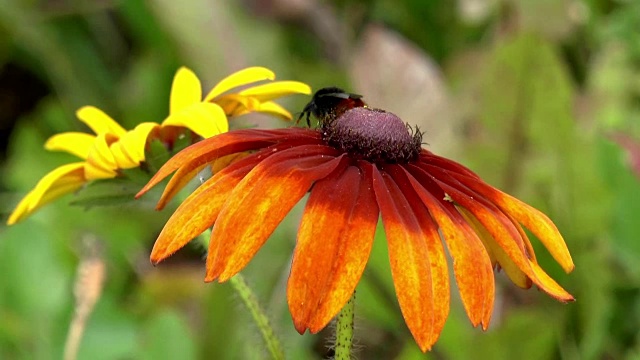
[329,103]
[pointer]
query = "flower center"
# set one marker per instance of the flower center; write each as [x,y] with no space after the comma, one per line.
[374,135]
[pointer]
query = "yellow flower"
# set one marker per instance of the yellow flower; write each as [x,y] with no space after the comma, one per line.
[113,148]
[207,117]
[99,161]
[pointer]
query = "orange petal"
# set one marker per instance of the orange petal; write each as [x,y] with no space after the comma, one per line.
[531,218]
[504,237]
[550,285]
[510,267]
[259,203]
[496,231]
[225,161]
[179,180]
[471,263]
[334,242]
[199,210]
[207,150]
[418,264]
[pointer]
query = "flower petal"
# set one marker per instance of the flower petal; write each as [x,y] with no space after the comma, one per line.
[429,158]
[200,209]
[274,109]
[503,236]
[511,268]
[223,162]
[471,263]
[100,162]
[204,119]
[267,193]
[185,90]
[179,180]
[99,122]
[134,142]
[236,141]
[334,241]
[239,78]
[531,218]
[121,156]
[94,171]
[236,105]
[416,254]
[75,143]
[276,89]
[61,180]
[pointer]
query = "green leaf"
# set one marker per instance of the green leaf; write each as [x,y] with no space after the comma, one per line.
[105,193]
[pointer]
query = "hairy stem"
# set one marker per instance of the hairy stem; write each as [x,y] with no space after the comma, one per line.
[250,301]
[344,330]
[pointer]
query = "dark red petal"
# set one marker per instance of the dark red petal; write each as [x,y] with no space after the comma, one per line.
[471,263]
[334,242]
[416,272]
[259,203]
[429,158]
[207,150]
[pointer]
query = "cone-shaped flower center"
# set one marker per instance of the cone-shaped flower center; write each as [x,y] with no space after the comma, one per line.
[373,135]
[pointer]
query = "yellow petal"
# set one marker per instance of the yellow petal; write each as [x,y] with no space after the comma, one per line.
[276,89]
[239,78]
[59,181]
[94,171]
[204,119]
[100,163]
[134,142]
[186,90]
[236,105]
[121,157]
[99,122]
[75,143]
[272,108]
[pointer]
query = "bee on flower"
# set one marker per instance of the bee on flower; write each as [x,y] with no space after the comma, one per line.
[358,164]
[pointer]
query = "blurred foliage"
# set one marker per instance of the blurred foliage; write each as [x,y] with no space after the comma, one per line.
[537,91]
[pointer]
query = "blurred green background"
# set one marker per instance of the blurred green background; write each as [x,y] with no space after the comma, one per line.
[541,98]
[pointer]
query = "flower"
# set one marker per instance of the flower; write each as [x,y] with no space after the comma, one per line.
[358,164]
[207,117]
[100,161]
[113,148]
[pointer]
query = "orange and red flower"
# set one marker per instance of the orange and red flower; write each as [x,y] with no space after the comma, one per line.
[358,166]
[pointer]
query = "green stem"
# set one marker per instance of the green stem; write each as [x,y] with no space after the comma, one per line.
[262,321]
[344,331]
[250,300]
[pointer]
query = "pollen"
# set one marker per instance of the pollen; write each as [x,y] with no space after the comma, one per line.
[373,135]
